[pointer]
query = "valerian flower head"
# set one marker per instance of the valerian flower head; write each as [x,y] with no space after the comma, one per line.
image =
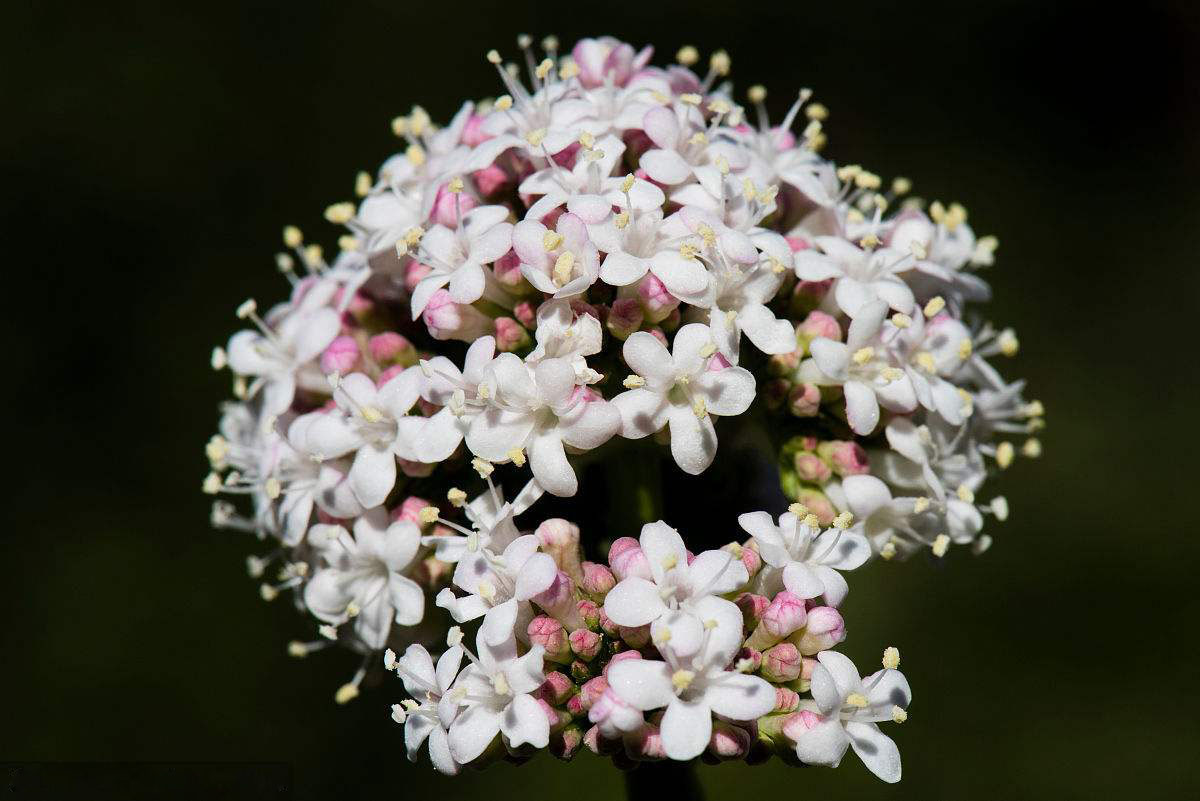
[537,307]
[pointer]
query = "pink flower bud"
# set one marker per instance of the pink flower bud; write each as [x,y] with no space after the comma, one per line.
[341,356]
[818,324]
[626,559]
[811,468]
[784,364]
[606,60]
[645,743]
[818,504]
[390,373]
[781,663]
[625,317]
[804,400]
[410,509]
[798,723]
[607,626]
[728,741]
[785,615]
[848,458]
[449,207]
[750,557]
[507,270]
[547,632]
[752,607]
[525,314]
[597,580]
[560,539]
[751,656]
[490,180]
[589,612]
[809,294]
[473,132]
[392,348]
[786,700]
[558,600]
[510,335]
[806,672]
[657,301]
[556,689]
[585,644]
[823,630]
[414,273]
[566,744]
[415,469]
[446,319]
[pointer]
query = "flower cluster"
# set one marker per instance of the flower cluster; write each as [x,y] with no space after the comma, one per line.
[615,253]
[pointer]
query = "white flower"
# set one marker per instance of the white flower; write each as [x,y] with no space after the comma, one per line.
[589,189]
[867,370]
[680,152]
[363,578]
[563,334]
[695,686]
[680,390]
[859,276]
[427,717]
[540,410]
[807,561]
[492,518]
[373,423]
[499,585]
[645,243]
[456,257]
[677,590]
[562,263]
[494,691]
[847,711]
[287,342]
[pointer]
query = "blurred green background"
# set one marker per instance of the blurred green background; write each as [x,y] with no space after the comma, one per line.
[152,152]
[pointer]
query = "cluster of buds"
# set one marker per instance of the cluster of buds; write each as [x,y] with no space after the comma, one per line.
[614,251]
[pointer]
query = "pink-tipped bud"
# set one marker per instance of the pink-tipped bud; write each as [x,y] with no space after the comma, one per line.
[341,356]
[560,539]
[556,689]
[590,692]
[566,744]
[748,556]
[823,630]
[818,324]
[490,180]
[809,294]
[818,504]
[613,716]
[804,400]
[390,373]
[783,364]
[626,559]
[597,580]
[645,744]
[392,348]
[781,663]
[806,672]
[810,467]
[657,301]
[446,319]
[784,615]
[589,612]
[786,700]
[525,314]
[752,607]
[559,601]
[547,632]
[625,317]
[410,510]
[607,626]
[728,741]
[414,273]
[585,644]
[848,458]
[507,270]
[510,335]
[800,723]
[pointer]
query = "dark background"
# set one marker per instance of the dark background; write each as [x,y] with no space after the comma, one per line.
[152,151]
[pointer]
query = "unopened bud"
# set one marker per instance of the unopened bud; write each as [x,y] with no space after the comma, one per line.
[823,630]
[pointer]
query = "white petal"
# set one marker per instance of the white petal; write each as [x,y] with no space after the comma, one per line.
[686,729]
[622,269]
[876,750]
[823,744]
[643,412]
[802,581]
[648,357]
[473,730]
[665,166]
[525,722]
[634,602]
[644,684]
[726,392]
[679,275]
[862,408]
[373,474]
[740,697]
[693,441]
[550,466]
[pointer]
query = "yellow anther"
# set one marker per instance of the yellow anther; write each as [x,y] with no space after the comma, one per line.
[670,561]
[543,69]
[1034,409]
[848,171]
[535,137]
[964,349]
[720,63]
[688,250]
[486,590]
[1008,342]
[934,306]
[722,165]
[901,186]
[563,266]
[816,111]
[687,55]
[503,102]
[937,212]
[568,70]
[749,190]
[346,693]
[757,93]
[483,468]
[968,403]
[799,510]
[891,657]
[313,255]
[455,185]
[867,180]
[888,551]
[720,106]
[920,505]
[926,362]
[413,235]
[965,494]
[691,99]
[1032,448]
[621,220]
[708,350]
[517,455]
[634,382]
[212,484]
[682,679]
[353,609]
[1005,452]
[890,374]
[854,216]
[707,234]
[371,414]
[941,544]
[901,320]
[857,700]
[415,155]
[273,488]
[456,497]
[551,240]
[955,216]
[899,715]
[869,241]
[348,242]
[363,184]
[812,521]
[863,355]
[698,138]
[494,56]
[428,514]
[843,520]
[699,408]
[400,126]
[292,236]
[627,183]
[586,140]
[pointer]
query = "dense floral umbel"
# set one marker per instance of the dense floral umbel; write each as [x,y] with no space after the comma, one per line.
[626,254]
